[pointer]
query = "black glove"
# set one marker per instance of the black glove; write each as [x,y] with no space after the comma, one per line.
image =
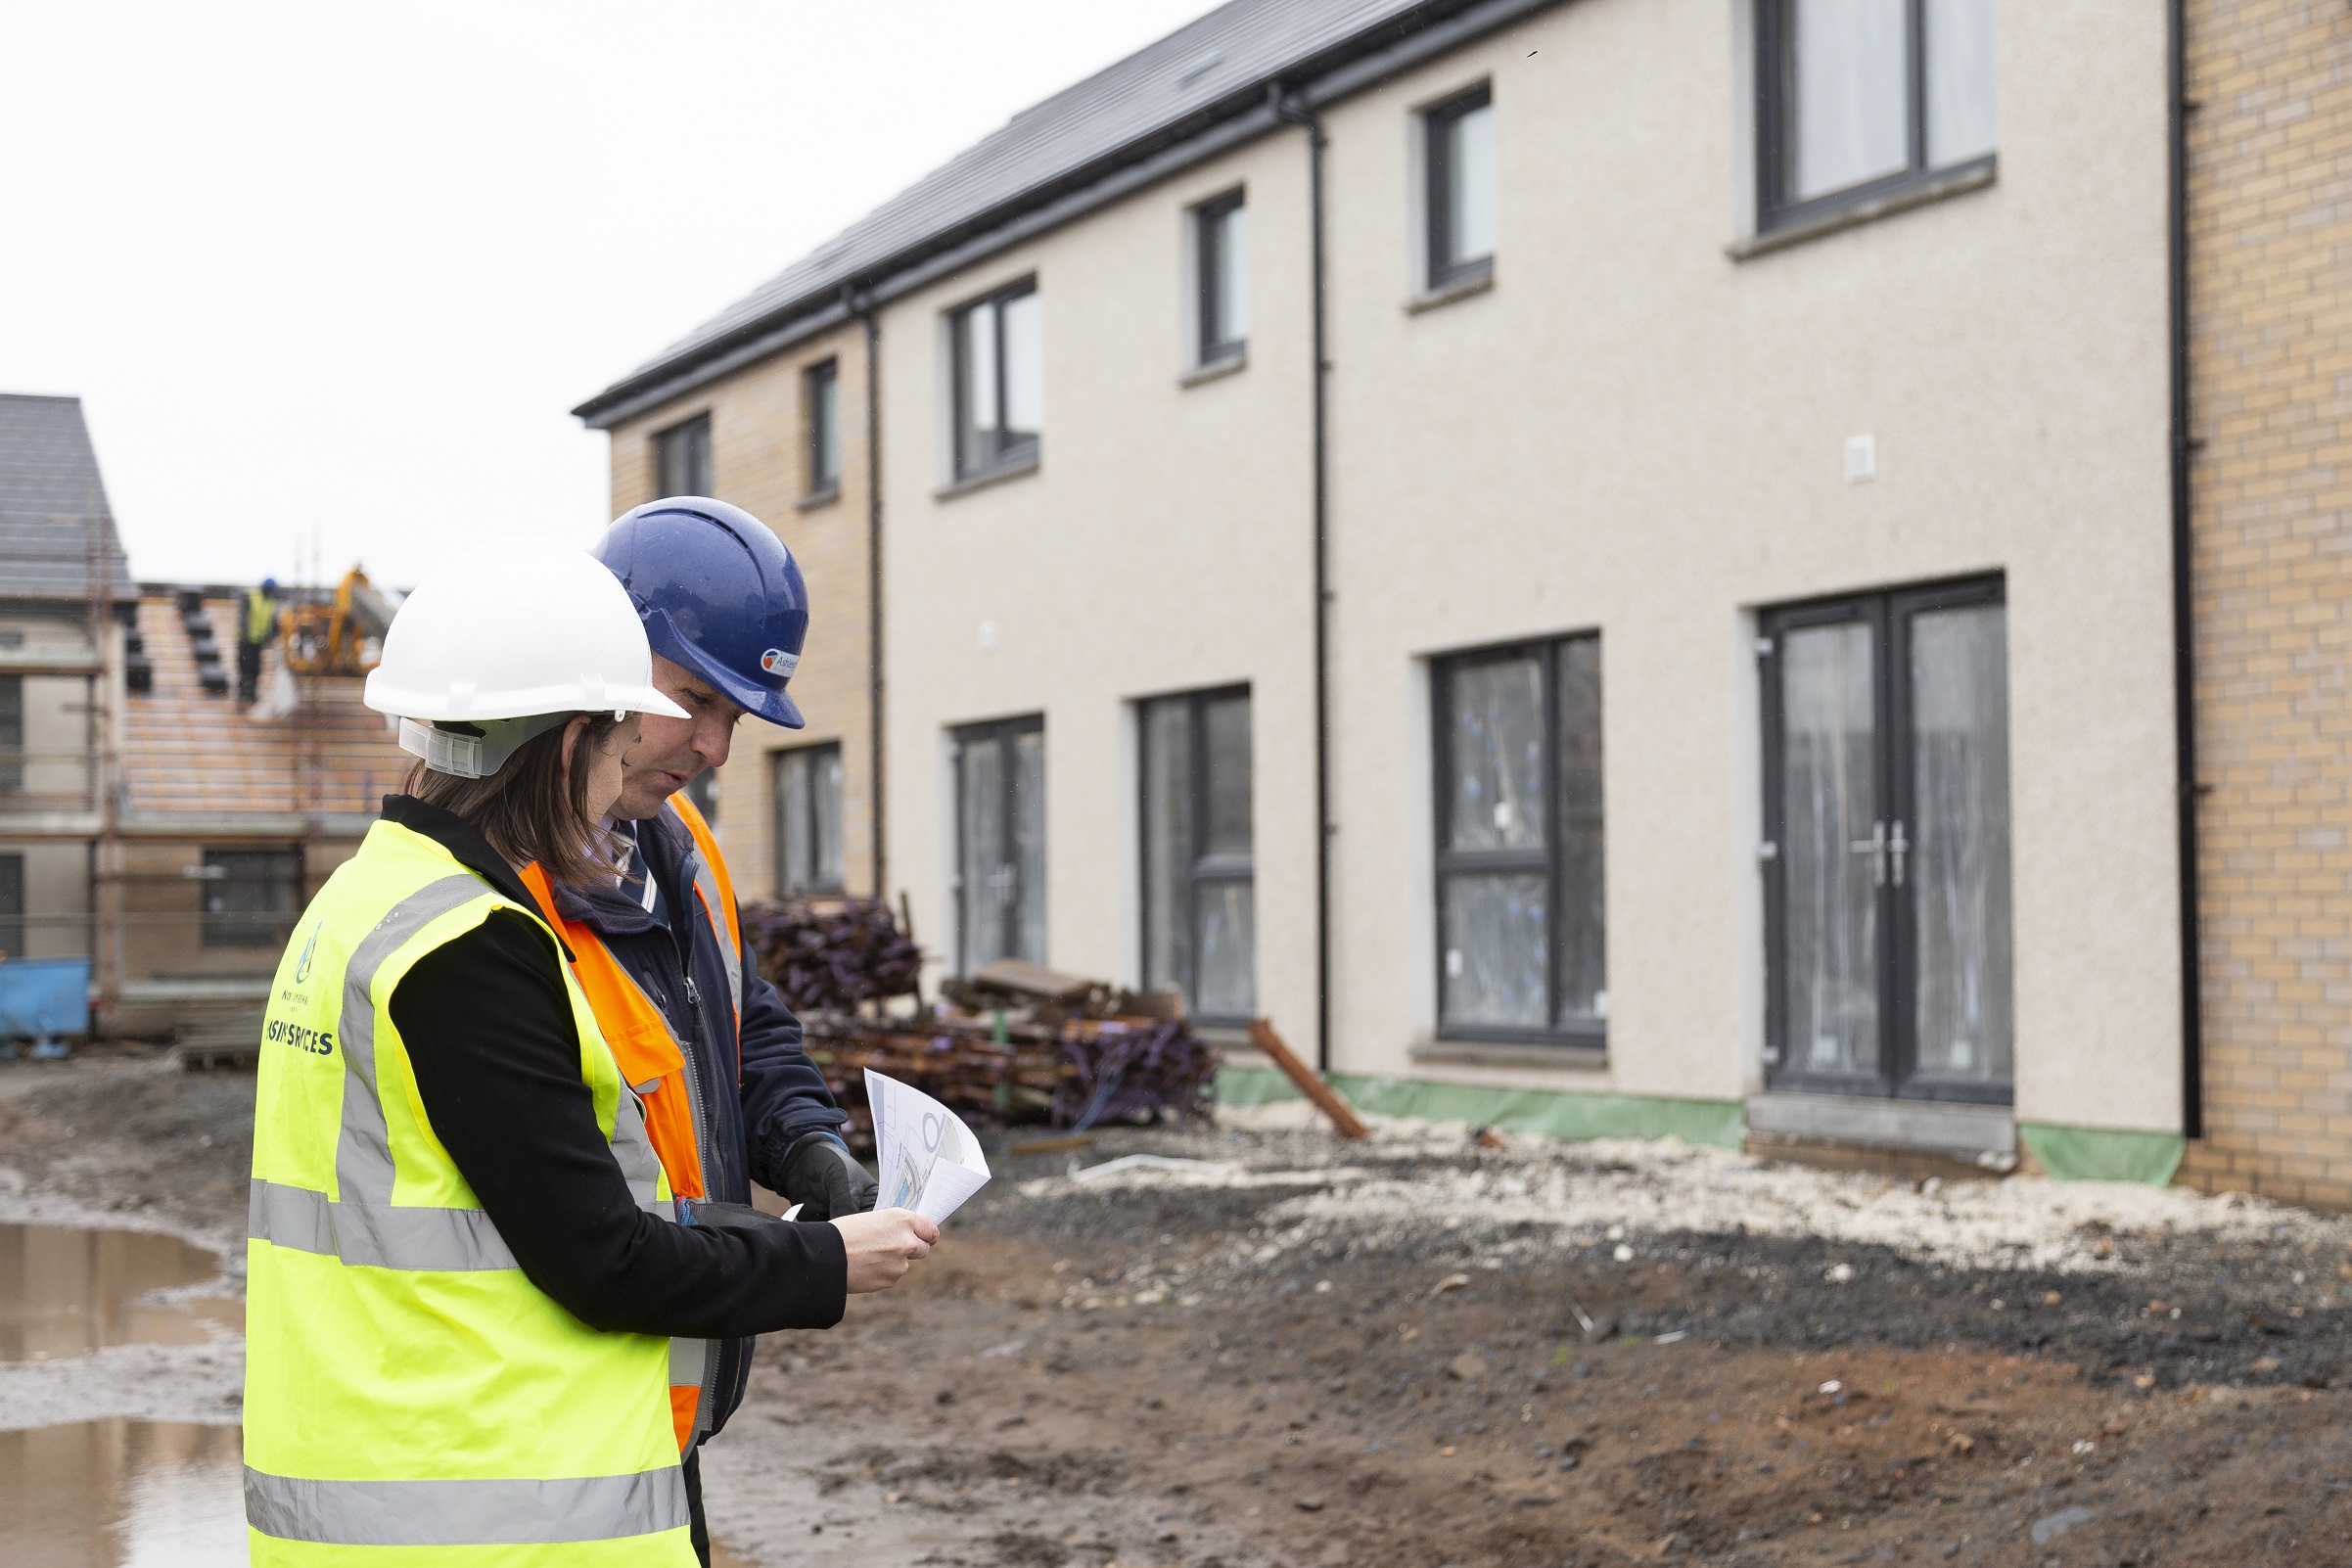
[825,1180]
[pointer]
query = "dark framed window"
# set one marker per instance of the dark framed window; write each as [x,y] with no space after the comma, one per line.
[999,375]
[1000,842]
[1858,99]
[682,456]
[12,733]
[1221,261]
[1886,815]
[1200,925]
[1458,158]
[12,905]
[820,385]
[1521,942]
[252,896]
[809,857]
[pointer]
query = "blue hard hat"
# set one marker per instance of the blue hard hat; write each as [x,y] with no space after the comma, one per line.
[718,594]
[270,584]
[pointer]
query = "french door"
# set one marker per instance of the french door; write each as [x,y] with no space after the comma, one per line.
[1000,842]
[1887,806]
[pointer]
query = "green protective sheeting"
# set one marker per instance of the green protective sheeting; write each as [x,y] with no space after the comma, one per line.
[1720,1123]
[2104,1154]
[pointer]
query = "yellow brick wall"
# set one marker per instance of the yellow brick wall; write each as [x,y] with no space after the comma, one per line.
[2270,380]
[759,461]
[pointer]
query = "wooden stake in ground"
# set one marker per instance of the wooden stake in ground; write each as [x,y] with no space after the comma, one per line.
[1326,1097]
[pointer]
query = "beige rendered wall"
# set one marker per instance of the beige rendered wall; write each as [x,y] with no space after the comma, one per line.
[2271,216]
[1161,545]
[1630,432]
[758,459]
[1634,432]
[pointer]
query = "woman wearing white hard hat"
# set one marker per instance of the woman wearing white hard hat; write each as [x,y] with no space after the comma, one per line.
[466,1266]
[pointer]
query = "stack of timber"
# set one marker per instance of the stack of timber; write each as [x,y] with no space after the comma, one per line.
[1015,1044]
[233,1042]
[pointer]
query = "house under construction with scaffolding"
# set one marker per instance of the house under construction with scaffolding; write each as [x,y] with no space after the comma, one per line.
[152,826]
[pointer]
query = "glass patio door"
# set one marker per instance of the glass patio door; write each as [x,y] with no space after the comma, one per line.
[1887,869]
[1000,842]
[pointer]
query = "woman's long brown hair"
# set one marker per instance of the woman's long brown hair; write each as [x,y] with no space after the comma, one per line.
[534,808]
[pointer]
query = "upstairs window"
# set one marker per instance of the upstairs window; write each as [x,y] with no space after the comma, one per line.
[683,454]
[1222,266]
[12,733]
[820,384]
[1458,136]
[809,857]
[1000,378]
[1862,98]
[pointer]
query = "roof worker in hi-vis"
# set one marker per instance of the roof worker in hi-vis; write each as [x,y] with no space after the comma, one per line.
[657,945]
[467,1273]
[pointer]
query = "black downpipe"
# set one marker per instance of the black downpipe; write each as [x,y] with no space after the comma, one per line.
[873,571]
[2184,596]
[1296,113]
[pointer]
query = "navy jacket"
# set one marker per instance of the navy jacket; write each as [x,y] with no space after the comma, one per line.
[761,1095]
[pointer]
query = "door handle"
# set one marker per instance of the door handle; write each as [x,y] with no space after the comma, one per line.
[1875,847]
[1899,846]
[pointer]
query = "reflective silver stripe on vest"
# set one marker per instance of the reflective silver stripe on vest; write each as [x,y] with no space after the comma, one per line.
[465,1514]
[363,1162]
[706,884]
[375,1235]
[634,1153]
[690,1360]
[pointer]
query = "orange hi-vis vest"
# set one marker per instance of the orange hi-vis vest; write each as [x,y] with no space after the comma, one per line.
[655,1065]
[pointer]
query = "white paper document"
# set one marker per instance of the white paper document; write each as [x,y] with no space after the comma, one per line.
[928,1159]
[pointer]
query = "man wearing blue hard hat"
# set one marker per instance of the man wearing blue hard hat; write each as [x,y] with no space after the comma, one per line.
[730,1096]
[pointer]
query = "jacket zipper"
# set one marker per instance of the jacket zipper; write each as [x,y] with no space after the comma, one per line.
[712,1177]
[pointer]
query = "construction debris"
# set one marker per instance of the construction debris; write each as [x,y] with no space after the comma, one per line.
[1311,1083]
[1014,1044]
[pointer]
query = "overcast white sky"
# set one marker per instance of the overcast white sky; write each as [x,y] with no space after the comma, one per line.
[340,271]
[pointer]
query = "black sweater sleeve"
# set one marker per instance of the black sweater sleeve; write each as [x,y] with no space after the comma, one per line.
[496,1056]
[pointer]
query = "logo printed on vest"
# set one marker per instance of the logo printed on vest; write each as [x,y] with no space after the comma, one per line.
[317,1041]
[301,965]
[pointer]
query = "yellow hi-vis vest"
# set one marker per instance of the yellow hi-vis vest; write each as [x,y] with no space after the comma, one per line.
[410,1397]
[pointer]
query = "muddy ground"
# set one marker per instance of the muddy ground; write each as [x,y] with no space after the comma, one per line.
[1333,1355]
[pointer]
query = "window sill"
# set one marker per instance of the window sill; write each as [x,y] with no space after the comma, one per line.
[1493,1053]
[1936,187]
[982,481]
[1444,294]
[817,499]
[1981,1132]
[1231,364]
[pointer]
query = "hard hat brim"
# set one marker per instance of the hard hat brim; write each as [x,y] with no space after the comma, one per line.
[428,706]
[771,703]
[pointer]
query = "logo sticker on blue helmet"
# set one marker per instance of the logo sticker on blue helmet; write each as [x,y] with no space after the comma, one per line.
[777,661]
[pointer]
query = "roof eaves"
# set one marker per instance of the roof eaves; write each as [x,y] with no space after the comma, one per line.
[1348,66]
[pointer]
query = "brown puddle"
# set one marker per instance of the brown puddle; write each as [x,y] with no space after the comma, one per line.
[120,1494]
[67,1292]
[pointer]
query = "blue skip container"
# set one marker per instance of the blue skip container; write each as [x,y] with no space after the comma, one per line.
[41,999]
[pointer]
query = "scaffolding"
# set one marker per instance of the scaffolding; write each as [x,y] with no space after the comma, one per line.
[205,825]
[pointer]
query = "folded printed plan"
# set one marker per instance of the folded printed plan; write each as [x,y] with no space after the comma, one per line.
[929,1161]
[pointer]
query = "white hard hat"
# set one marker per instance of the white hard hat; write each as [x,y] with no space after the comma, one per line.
[505,641]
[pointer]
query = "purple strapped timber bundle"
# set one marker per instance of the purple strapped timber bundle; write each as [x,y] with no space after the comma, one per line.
[1011,1046]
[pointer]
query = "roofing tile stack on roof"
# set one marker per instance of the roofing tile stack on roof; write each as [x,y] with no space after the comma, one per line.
[187,751]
